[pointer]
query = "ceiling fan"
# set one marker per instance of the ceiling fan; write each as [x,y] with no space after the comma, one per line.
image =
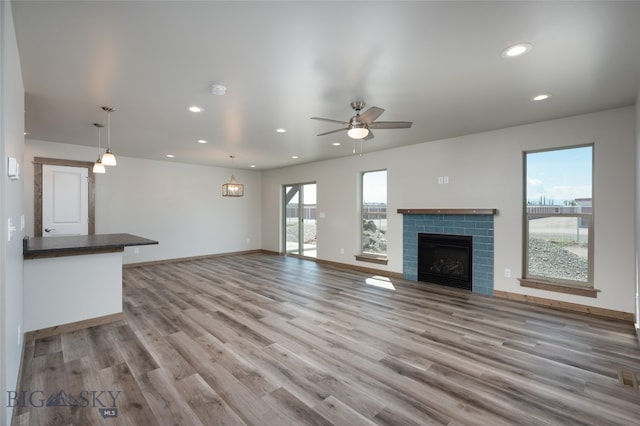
[360,125]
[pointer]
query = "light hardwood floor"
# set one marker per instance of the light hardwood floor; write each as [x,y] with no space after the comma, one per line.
[266,340]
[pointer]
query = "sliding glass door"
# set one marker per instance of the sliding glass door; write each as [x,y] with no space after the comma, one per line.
[299,221]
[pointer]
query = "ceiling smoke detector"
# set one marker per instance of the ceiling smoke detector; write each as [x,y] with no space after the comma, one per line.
[218,89]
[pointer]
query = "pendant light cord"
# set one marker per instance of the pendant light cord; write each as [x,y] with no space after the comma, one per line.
[109,130]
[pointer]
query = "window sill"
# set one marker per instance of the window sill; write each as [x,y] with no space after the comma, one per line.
[559,288]
[380,260]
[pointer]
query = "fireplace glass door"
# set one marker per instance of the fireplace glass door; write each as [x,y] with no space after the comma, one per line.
[445,259]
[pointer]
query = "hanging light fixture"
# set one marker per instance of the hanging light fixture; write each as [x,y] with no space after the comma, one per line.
[233,188]
[98,167]
[108,159]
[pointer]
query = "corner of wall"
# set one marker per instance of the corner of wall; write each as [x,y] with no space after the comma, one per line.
[11,193]
[637,216]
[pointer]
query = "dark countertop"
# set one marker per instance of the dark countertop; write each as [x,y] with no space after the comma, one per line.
[40,247]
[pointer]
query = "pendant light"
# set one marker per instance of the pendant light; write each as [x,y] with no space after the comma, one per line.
[98,167]
[233,188]
[108,159]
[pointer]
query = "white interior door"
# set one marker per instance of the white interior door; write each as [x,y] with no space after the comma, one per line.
[65,200]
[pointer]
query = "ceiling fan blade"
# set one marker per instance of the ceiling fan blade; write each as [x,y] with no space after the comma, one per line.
[330,120]
[370,115]
[332,131]
[390,125]
[369,136]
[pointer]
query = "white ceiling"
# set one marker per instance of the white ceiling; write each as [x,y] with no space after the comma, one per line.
[437,64]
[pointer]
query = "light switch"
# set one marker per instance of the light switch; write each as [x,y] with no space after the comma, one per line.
[13,168]
[11,229]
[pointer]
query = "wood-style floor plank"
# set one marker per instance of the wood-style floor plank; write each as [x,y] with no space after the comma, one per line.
[258,339]
[210,408]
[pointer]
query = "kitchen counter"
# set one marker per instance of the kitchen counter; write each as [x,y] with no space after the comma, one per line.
[42,247]
[74,282]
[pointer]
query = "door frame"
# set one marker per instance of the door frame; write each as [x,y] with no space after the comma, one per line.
[283,219]
[38,162]
[283,237]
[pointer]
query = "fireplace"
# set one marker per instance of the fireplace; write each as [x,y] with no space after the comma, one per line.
[472,222]
[445,259]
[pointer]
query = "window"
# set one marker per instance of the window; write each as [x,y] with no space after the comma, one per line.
[374,215]
[559,216]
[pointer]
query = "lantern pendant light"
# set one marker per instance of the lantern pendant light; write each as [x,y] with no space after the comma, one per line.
[108,159]
[233,188]
[98,167]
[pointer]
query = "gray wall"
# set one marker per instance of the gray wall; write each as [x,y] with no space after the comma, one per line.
[485,170]
[637,211]
[179,205]
[11,207]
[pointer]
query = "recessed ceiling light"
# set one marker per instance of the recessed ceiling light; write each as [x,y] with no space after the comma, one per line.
[541,97]
[517,50]
[336,144]
[252,166]
[281,130]
[170,155]
[202,141]
[295,157]
[195,108]
[218,89]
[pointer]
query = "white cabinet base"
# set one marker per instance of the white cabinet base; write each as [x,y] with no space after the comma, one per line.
[62,290]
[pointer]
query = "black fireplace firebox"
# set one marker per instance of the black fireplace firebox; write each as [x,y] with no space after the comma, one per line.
[445,259]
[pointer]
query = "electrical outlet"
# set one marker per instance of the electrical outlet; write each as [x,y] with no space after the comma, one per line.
[248,241]
[445,179]
[507,273]
[440,180]
[341,251]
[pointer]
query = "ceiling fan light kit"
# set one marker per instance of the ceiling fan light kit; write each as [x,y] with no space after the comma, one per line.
[357,131]
[360,125]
